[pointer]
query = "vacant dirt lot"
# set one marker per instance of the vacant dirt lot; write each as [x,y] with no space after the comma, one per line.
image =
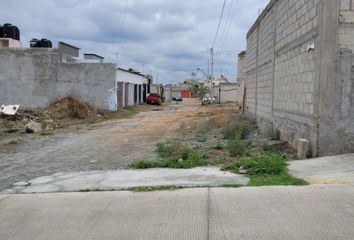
[109,145]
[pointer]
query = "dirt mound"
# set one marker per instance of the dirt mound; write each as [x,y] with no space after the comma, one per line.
[71,107]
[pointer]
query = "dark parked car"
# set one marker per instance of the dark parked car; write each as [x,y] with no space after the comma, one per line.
[177,98]
[154,98]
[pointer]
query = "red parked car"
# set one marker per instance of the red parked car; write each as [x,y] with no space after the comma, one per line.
[154,98]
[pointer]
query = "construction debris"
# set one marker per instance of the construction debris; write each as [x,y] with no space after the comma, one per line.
[71,107]
[33,127]
[10,110]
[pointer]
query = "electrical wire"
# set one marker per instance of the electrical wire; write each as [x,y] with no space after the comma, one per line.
[225,25]
[218,29]
[233,11]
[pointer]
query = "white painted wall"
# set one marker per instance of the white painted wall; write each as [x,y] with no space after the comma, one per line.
[123,76]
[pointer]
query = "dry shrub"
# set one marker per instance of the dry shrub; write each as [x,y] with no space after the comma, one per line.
[221,120]
[71,107]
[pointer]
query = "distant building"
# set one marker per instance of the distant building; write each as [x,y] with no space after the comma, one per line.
[94,58]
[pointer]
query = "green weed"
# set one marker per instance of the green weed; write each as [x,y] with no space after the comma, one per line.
[174,155]
[154,188]
[265,170]
[237,130]
[238,147]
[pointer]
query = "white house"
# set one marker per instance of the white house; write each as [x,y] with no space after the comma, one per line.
[133,87]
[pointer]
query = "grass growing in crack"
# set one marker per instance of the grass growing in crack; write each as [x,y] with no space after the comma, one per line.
[154,188]
[174,155]
[231,186]
[265,170]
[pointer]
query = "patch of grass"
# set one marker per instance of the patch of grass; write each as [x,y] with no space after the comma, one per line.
[219,146]
[203,131]
[237,130]
[14,142]
[283,179]
[126,112]
[2,135]
[154,188]
[167,148]
[145,164]
[202,138]
[174,155]
[265,170]
[274,148]
[238,148]
[46,133]
[218,161]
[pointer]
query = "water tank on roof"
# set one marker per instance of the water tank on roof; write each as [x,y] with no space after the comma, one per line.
[45,43]
[10,31]
[34,43]
[1,31]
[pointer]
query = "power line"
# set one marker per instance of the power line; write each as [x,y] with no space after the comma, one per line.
[226,22]
[221,16]
[233,11]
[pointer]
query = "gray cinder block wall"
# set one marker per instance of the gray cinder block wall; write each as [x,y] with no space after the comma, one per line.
[35,77]
[299,73]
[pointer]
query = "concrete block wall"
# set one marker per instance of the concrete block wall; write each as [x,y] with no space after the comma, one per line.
[35,77]
[336,106]
[298,67]
[228,92]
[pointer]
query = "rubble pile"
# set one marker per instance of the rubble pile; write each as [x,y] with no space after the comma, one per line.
[56,115]
[71,107]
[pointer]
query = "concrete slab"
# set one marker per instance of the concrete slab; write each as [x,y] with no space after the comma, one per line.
[125,179]
[325,170]
[105,215]
[264,213]
[292,213]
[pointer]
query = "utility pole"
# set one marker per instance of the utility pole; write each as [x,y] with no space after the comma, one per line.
[212,72]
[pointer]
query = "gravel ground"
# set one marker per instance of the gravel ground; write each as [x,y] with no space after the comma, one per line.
[107,146]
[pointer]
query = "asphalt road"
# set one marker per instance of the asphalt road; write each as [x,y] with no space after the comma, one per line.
[266,213]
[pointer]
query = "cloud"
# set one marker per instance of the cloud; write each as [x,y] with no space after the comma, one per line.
[166,38]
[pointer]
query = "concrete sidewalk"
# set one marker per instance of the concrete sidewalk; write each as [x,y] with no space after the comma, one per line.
[125,179]
[311,213]
[325,170]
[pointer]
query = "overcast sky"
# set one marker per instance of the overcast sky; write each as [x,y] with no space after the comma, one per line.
[168,38]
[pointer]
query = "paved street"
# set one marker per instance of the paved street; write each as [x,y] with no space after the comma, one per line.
[269,213]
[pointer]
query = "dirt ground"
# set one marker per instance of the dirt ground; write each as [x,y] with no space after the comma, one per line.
[108,145]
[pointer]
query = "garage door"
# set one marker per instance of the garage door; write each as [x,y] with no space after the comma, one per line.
[185,94]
